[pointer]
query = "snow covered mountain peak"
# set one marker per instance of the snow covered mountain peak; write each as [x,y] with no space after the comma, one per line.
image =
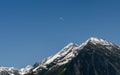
[8,71]
[60,58]
[70,45]
[65,53]
[98,41]
[6,68]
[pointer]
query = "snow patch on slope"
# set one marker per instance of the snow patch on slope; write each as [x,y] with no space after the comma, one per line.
[60,58]
[25,70]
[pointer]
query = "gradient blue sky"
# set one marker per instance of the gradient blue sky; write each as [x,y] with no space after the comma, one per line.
[31,30]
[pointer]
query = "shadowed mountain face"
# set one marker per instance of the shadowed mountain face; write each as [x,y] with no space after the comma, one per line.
[95,58]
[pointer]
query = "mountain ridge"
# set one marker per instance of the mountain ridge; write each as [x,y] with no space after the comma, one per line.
[66,55]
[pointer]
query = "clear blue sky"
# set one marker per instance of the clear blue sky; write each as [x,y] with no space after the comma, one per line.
[31,30]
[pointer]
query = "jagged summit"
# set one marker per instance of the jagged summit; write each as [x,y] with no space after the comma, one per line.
[93,40]
[101,41]
[70,44]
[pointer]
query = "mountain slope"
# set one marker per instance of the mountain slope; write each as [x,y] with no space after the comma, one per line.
[94,57]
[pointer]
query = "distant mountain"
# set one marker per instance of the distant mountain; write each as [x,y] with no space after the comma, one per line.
[14,71]
[93,57]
